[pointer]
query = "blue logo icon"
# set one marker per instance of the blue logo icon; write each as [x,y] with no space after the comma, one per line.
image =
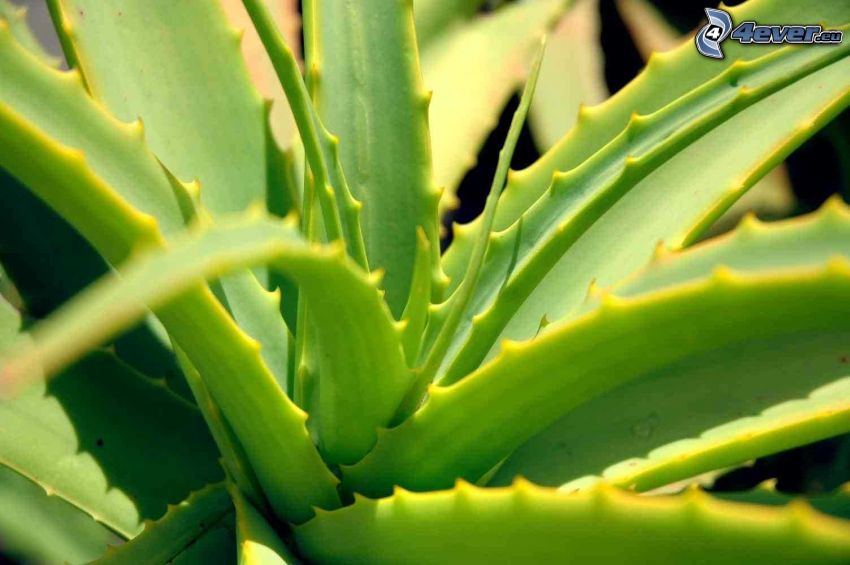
[713,33]
[720,27]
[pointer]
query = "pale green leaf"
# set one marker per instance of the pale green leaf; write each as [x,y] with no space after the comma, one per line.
[527,524]
[363,374]
[257,542]
[35,527]
[466,429]
[184,524]
[371,96]
[645,183]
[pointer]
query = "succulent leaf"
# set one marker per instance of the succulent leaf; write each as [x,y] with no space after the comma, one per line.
[363,373]
[141,78]
[776,385]
[465,429]
[167,538]
[666,78]
[257,543]
[176,91]
[98,454]
[43,528]
[566,237]
[370,94]
[524,522]
[47,109]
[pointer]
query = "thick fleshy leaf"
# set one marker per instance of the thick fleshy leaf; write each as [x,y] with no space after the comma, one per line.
[170,536]
[257,542]
[772,196]
[363,374]
[88,437]
[370,95]
[667,77]
[465,429]
[524,523]
[35,527]
[574,233]
[187,82]
[573,74]
[472,70]
[114,192]
[203,117]
[686,411]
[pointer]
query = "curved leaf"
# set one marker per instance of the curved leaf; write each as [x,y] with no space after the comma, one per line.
[666,78]
[687,412]
[575,232]
[203,117]
[465,429]
[39,528]
[162,541]
[88,437]
[115,193]
[188,83]
[524,523]
[363,374]
[257,542]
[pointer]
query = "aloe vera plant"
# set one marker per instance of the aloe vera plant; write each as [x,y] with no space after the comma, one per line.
[228,332]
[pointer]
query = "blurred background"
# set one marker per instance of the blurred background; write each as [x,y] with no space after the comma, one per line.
[622,33]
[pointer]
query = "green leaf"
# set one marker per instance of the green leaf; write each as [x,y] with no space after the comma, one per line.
[573,74]
[39,528]
[188,83]
[575,232]
[363,373]
[89,438]
[687,417]
[162,541]
[465,429]
[340,211]
[370,95]
[473,70]
[117,196]
[460,299]
[101,178]
[257,542]
[667,77]
[166,80]
[525,523]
